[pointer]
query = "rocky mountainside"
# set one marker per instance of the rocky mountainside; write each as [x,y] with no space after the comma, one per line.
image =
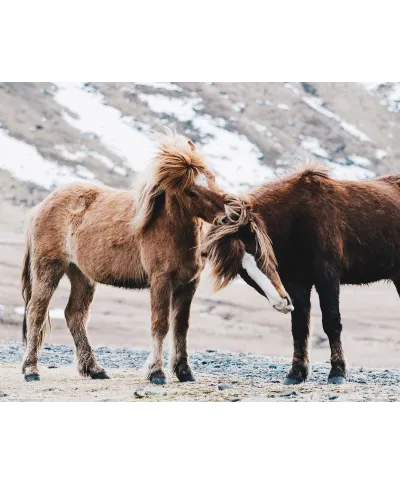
[51,133]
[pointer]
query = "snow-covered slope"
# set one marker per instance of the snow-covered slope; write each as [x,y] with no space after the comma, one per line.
[102,132]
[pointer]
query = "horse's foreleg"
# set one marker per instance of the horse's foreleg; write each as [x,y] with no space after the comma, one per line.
[328,289]
[77,316]
[46,276]
[181,302]
[160,295]
[300,294]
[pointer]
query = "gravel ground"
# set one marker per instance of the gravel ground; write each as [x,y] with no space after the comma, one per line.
[220,377]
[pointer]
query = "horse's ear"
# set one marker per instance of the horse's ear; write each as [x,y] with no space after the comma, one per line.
[191,144]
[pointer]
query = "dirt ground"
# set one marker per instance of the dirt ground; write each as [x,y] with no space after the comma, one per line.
[63,384]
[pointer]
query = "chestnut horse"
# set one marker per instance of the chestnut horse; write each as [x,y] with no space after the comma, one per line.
[146,239]
[325,233]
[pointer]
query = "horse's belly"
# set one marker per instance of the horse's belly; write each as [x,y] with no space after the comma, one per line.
[126,282]
[371,270]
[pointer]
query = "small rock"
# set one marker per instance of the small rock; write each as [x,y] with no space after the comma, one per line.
[288,394]
[156,393]
[222,387]
[235,399]
[3,394]
[204,362]
[210,350]
[139,394]
[332,397]
[52,366]
[273,366]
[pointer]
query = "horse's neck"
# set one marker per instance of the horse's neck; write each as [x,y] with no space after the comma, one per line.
[278,207]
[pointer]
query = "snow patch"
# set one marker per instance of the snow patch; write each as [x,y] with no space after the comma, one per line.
[182,109]
[388,92]
[108,163]
[362,161]
[380,154]
[239,107]
[312,145]
[73,157]
[258,127]
[317,104]
[349,172]
[263,101]
[283,106]
[233,158]
[25,163]
[106,123]
[166,86]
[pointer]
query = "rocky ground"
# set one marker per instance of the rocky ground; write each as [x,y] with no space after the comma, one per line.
[220,377]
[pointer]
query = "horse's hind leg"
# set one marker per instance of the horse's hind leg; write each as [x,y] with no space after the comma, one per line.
[46,275]
[77,315]
[328,289]
[160,295]
[181,302]
[300,295]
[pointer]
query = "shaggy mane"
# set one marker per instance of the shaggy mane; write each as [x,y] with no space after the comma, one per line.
[173,169]
[310,168]
[224,251]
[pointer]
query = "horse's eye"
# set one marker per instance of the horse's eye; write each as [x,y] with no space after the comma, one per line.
[191,194]
[224,220]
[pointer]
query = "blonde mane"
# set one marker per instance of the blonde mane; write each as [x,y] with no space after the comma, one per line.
[173,169]
[224,257]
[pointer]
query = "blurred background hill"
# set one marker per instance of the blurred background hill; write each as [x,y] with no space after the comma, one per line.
[54,133]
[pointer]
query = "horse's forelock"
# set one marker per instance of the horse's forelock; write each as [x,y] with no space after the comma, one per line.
[174,169]
[224,251]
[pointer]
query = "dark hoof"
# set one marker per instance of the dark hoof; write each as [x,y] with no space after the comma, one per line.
[32,377]
[289,381]
[337,380]
[100,375]
[185,376]
[158,378]
[182,370]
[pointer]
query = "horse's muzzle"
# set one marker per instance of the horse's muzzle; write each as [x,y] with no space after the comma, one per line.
[286,306]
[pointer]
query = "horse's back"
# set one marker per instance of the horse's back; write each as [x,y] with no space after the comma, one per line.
[62,212]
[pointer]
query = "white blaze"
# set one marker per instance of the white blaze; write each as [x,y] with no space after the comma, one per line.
[250,265]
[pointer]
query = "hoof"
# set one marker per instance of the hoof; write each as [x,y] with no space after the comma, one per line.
[158,378]
[32,377]
[337,380]
[100,375]
[290,380]
[186,377]
[183,371]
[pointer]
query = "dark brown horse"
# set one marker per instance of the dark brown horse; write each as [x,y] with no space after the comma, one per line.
[325,233]
[148,238]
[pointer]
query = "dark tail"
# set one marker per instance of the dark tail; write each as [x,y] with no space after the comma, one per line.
[26,283]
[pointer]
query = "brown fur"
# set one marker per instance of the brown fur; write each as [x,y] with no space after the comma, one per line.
[225,258]
[325,233]
[148,239]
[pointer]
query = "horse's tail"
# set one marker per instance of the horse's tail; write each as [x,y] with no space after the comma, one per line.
[26,283]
